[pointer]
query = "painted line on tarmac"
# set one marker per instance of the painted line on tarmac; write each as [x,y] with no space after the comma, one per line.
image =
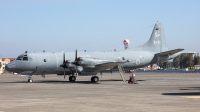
[20,100]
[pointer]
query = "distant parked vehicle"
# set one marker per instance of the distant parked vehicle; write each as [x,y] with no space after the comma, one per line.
[185,69]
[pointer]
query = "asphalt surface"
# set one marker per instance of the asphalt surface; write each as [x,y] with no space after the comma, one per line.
[156,92]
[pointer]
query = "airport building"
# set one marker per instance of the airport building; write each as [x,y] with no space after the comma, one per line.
[3,62]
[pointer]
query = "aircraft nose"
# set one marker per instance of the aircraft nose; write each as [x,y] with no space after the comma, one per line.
[11,67]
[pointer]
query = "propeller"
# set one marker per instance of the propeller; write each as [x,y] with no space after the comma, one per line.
[64,64]
[76,61]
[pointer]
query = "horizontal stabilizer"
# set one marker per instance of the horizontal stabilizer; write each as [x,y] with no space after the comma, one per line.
[171,52]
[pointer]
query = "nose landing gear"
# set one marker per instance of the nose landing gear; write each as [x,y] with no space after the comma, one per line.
[30,80]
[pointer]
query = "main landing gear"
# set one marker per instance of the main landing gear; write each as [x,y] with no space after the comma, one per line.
[95,79]
[72,78]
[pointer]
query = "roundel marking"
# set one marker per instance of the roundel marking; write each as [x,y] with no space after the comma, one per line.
[137,62]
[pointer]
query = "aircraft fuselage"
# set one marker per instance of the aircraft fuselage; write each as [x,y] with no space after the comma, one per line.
[49,63]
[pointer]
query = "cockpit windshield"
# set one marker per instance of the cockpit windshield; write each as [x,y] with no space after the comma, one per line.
[22,57]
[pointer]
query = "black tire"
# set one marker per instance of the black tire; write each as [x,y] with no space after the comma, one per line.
[30,81]
[72,78]
[92,79]
[95,79]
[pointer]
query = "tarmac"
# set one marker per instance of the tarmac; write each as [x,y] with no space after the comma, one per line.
[156,92]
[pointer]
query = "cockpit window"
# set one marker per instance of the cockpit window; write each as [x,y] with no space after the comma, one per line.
[22,57]
[25,58]
[19,57]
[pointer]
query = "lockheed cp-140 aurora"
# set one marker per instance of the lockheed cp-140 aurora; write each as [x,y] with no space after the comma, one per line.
[91,63]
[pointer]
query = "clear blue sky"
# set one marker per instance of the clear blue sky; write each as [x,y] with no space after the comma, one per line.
[95,25]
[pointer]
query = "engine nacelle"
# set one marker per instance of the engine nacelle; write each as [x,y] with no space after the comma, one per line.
[90,62]
[70,65]
[86,62]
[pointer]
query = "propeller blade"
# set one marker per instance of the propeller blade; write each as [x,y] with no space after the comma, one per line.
[76,59]
[64,63]
[64,73]
[76,55]
[63,57]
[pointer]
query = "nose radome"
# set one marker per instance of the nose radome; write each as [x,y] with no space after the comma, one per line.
[11,67]
[7,67]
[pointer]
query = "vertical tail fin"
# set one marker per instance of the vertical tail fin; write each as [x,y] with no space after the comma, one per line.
[157,42]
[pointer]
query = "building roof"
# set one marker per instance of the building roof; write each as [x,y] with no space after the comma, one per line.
[11,59]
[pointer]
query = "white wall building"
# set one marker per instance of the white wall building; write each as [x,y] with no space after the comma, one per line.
[3,62]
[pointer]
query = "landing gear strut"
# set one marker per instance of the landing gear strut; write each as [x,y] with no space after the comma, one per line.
[95,79]
[72,78]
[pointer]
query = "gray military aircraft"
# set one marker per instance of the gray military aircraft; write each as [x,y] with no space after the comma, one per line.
[91,63]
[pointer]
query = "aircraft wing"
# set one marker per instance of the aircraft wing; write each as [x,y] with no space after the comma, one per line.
[104,66]
[171,52]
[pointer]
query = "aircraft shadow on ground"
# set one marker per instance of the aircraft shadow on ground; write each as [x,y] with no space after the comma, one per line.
[110,80]
[116,80]
[66,82]
[191,88]
[54,82]
[185,93]
[141,80]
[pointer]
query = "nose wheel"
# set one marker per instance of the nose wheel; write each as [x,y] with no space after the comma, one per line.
[72,78]
[95,79]
[30,80]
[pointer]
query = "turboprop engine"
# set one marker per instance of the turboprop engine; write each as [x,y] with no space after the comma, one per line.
[70,64]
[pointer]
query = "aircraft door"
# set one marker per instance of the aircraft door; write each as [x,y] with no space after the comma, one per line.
[46,63]
[51,63]
[41,64]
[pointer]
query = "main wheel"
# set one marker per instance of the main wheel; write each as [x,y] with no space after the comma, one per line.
[92,79]
[95,79]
